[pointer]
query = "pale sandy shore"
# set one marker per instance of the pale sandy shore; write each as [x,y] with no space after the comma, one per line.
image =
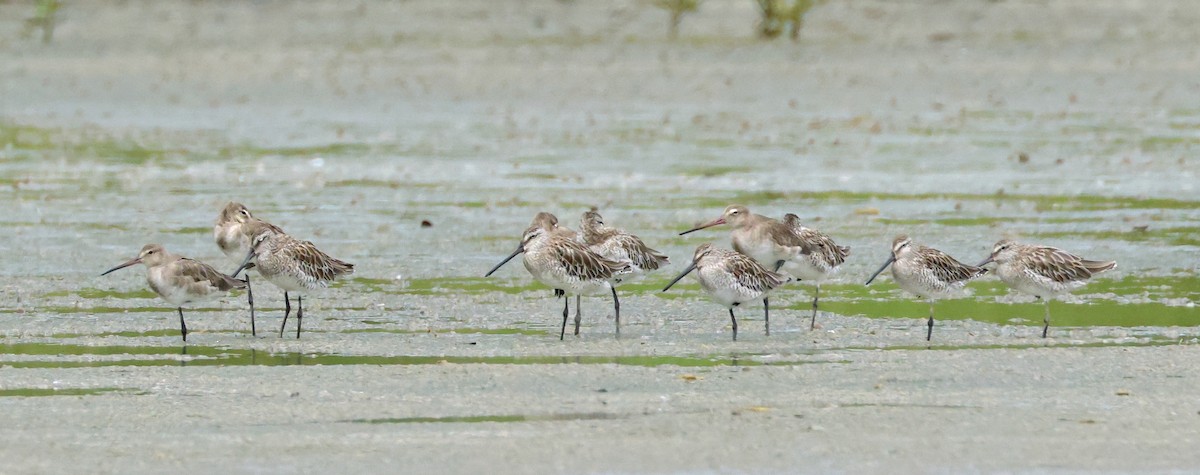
[349,123]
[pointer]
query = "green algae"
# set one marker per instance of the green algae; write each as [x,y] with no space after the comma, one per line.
[81,356]
[43,392]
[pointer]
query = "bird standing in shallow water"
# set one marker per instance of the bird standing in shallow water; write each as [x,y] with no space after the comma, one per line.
[231,232]
[567,265]
[1042,271]
[777,246]
[617,245]
[292,265]
[180,280]
[819,258]
[927,272]
[730,278]
[549,222]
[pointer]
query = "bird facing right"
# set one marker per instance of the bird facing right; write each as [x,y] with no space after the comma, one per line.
[927,272]
[1042,271]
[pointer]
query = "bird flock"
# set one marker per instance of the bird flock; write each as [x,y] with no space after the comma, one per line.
[767,253]
[286,262]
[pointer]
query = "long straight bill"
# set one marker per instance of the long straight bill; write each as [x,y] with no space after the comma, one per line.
[691,267]
[889,262]
[122,266]
[710,224]
[505,261]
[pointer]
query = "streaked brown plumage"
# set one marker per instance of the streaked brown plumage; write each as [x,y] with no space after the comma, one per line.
[618,245]
[553,256]
[180,280]
[764,239]
[731,278]
[819,257]
[232,234]
[292,265]
[1043,271]
[927,273]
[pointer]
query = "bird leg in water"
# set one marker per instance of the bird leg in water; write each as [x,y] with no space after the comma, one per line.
[182,326]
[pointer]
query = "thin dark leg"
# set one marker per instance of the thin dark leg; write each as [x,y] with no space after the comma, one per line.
[287,310]
[182,326]
[566,311]
[299,314]
[1046,319]
[250,298]
[578,313]
[766,315]
[929,332]
[734,320]
[617,309]
[816,294]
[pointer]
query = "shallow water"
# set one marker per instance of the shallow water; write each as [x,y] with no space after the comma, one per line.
[945,122]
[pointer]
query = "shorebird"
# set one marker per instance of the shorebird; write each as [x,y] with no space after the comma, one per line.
[549,222]
[292,265]
[819,258]
[618,245]
[232,236]
[731,278]
[927,272]
[566,265]
[1043,271]
[180,280]
[774,244]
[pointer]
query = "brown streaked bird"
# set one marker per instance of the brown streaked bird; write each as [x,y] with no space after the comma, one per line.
[731,278]
[549,222]
[764,239]
[819,258]
[618,245]
[568,266]
[231,234]
[292,265]
[180,280]
[928,273]
[1043,271]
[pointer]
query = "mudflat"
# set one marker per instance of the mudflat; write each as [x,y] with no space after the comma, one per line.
[1069,123]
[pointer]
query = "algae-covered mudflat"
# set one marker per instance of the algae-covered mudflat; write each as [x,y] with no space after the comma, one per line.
[417,139]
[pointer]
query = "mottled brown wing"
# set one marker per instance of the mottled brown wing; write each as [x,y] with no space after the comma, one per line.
[316,263]
[642,256]
[593,235]
[195,273]
[946,268]
[582,263]
[751,274]
[1056,264]
[816,242]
